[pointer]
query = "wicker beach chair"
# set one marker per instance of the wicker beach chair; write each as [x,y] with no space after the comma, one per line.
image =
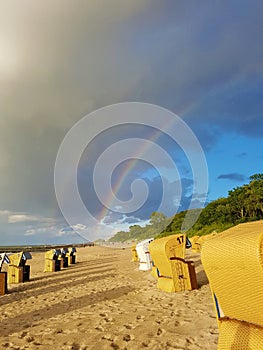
[174,273]
[233,262]
[134,253]
[71,255]
[18,270]
[145,260]
[52,263]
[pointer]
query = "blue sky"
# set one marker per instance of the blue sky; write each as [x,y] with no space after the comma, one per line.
[60,61]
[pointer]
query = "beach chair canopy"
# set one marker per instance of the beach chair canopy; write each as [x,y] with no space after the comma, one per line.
[143,247]
[64,250]
[26,256]
[3,259]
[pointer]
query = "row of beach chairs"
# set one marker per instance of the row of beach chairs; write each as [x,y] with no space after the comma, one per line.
[18,270]
[233,262]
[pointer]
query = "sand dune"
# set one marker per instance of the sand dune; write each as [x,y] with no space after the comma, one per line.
[105,302]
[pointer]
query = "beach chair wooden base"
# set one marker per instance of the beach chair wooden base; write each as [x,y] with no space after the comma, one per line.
[183,277]
[26,273]
[65,262]
[52,265]
[3,283]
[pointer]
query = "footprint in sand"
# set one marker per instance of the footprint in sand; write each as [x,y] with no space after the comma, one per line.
[160,331]
[128,337]
[115,346]
[109,337]
[58,331]
[140,317]
[129,326]
[29,339]
[74,346]
[22,335]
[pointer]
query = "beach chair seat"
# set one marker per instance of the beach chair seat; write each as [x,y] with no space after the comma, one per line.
[174,272]
[145,260]
[233,262]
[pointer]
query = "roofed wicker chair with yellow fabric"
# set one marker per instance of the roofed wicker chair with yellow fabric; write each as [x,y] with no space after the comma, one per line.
[18,270]
[174,273]
[193,241]
[233,262]
[198,241]
[134,253]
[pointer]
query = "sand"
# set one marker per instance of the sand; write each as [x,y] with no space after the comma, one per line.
[105,302]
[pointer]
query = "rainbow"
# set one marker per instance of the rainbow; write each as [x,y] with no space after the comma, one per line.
[125,172]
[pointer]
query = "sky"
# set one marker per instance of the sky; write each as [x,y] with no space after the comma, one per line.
[62,60]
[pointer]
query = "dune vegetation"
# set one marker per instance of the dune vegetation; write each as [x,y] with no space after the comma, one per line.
[243,204]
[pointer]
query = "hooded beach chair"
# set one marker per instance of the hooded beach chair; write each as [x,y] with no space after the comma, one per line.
[174,273]
[145,260]
[134,253]
[71,255]
[18,270]
[52,262]
[233,262]
[63,257]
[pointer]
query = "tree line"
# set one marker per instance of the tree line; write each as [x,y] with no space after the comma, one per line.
[243,203]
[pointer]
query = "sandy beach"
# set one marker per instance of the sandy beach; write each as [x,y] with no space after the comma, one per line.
[105,302]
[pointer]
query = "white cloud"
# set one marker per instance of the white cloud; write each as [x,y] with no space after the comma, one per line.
[20,218]
[12,219]
[5,212]
[30,232]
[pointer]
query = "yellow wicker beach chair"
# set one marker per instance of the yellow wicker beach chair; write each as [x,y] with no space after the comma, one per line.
[63,257]
[199,241]
[52,263]
[193,239]
[18,271]
[71,255]
[233,262]
[195,245]
[174,274]
[134,253]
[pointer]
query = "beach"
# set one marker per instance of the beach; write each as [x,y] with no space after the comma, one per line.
[105,302]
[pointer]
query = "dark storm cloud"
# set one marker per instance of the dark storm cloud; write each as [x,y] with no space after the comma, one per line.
[61,60]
